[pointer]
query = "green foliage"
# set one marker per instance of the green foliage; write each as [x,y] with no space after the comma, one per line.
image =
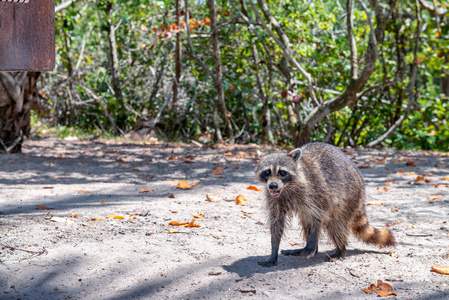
[317,32]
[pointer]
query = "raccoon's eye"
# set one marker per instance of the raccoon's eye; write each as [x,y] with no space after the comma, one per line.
[266,173]
[282,173]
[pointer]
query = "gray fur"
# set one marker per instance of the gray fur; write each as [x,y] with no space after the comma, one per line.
[325,190]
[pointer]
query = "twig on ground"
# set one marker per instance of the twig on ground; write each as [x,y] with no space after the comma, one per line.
[34,253]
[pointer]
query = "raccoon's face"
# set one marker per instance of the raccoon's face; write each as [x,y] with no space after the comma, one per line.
[277,170]
[275,177]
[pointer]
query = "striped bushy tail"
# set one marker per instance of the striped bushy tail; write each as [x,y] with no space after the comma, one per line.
[367,233]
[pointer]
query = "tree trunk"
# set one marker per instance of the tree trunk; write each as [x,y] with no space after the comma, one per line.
[114,67]
[220,100]
[177,57]
[18,95]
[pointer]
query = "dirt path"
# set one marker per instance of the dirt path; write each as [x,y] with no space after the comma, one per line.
[140,259]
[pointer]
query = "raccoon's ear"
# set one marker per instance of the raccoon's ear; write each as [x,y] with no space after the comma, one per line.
[295,154]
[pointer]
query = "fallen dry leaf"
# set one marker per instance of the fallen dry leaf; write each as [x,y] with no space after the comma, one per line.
[199,215]
[410,163]
[172,231]
[218,170]
[103,202]
[184,185]
[441,270]
[388,183]
[418,179]
[192,224]
[43,207]
[132,217]
[173,211]
[382,289]
[240,200]
[96,219]
[171,196]
[114,217]
[434,197]
[446,178]
[246,212]
[48,187]
[145,191]
[173,223]
[374,203]
[394,255]
[411,173]
[83,192]
[253,188]
[72,215]
[213,198]
[364,166]
[382,190]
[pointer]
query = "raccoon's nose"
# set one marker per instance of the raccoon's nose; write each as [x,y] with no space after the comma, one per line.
[273,186]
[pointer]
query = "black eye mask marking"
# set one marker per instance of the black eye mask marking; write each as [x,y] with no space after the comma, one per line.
[283,173]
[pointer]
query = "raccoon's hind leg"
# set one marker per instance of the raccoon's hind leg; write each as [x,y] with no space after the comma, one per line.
[338,233]
[311,234]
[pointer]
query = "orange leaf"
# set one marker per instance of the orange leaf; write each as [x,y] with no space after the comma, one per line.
[171,158]
[382,190]
[446,178]
[132,217]
[384,286]
[435,197]
[394,255]
[410,163]
[47,187]
[246,212]
[95,219]
[364,166]
[103,202]
[172,231]
[368,291]
[173,211]
[72,215]
[192,224]
[374,203]
[42,207]
[83,192]
[253,188]
[385,293]
[199,215]
[412,173]
[183,185]
[388,183]
[213,198]
[419,179]
[441,270]
[146,191]
[114,217]
[218,170]
[173,223]
[240,200]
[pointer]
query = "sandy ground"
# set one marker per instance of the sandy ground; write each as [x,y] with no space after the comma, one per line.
[140,259]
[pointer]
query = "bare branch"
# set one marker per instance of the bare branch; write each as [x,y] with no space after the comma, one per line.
[284,46]
[411,92]
[351,39]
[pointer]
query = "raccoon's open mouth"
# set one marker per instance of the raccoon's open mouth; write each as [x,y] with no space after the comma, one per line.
[275,193]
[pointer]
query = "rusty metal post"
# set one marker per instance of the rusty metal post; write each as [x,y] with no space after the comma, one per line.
[27,35]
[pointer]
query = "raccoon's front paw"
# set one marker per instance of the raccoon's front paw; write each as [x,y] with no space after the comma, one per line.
[267,263]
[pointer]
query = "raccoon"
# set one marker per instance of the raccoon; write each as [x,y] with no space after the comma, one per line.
[319,184]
